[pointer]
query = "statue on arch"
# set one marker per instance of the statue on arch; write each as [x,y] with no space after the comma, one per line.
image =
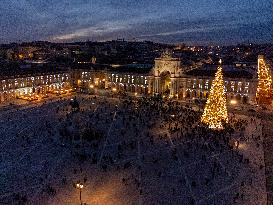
[167,54]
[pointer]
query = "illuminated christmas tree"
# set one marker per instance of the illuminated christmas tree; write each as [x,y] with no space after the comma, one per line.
[215,113]
[263,93]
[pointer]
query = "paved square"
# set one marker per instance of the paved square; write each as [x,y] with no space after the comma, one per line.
[126,152]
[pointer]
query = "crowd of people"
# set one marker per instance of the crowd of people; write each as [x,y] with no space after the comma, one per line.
[130,150]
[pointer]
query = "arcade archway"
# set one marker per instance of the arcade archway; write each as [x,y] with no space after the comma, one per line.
[165,79]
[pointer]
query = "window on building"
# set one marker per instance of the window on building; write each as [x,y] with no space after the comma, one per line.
[232,86]
[239,89]
[194,83]
[207,85]
[247,87]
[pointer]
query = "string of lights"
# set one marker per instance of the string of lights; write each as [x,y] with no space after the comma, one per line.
[215,112]
[263,93]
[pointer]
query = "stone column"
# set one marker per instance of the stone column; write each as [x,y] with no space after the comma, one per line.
[106,84]
[184,93]
[183,84]
[157,85]
[173,90]
[150,81]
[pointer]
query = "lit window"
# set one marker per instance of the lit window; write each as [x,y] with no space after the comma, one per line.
[194,83]
[200,84]
[239,87]
[232,86]
[207,85]
[226,86]
[247,87]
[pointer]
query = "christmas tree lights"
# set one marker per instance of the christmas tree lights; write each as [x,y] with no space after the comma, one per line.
[215,112]
[263,93]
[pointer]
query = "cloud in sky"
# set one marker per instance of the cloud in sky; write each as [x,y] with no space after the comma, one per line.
[172,21]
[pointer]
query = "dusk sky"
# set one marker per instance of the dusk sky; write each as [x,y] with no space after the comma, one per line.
[168,21]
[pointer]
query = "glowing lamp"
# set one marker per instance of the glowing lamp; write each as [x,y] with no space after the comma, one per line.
[233,102]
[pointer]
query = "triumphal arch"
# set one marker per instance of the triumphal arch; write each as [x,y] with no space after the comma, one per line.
[166,71]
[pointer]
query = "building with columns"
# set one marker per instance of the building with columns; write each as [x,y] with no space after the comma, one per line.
[134,78]
[167,77]
[172,79]
[12,87]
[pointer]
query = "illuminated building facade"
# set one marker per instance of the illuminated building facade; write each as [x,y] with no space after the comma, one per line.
[167,77]
[130,82]
[13,87]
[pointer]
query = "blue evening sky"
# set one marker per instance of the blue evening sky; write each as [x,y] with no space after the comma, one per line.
[170,21]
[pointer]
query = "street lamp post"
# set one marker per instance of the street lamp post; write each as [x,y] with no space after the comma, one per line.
[80,186]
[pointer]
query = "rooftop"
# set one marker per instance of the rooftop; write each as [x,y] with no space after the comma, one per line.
[132,68]
[229,71]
